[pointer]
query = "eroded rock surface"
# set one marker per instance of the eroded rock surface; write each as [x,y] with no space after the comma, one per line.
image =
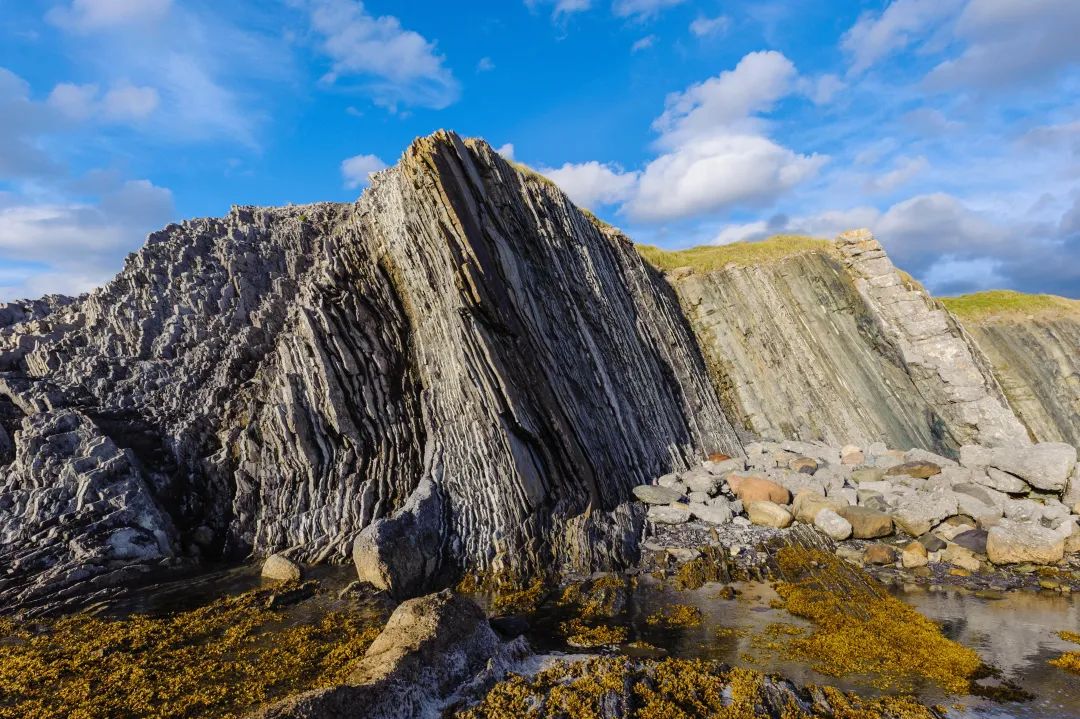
[285,377]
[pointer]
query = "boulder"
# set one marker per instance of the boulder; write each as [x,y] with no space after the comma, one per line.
[851,455]
[918,454]
[669,513]
[768,514]
[1071,495]
[975,456]
[832,524]
[879,554]
[807,504]
[1012,542]
[919,468]
[1002,481]
[702,480]
[726,467]
[653,494]
[866,523]
[718,457]
[1045,466]
[932,543]
[715,513]
[403,553]
[1023,510]
[973,540]
[757,489]
[917,513]
[697,498]
[914,555]
[668,480]
[803,465]
[281,569]
[822,452]
[867,474]
[961,557]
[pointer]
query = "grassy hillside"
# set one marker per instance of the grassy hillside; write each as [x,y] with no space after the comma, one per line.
[713,257]
[1003,303]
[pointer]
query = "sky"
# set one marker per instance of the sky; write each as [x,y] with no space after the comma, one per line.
[951,128]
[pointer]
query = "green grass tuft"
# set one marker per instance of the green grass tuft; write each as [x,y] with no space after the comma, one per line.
[713,257]
[1006,303]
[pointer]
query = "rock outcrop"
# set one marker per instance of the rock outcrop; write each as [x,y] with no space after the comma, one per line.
[280,379]
[830,342]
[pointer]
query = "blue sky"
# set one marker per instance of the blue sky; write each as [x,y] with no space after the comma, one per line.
[949,127]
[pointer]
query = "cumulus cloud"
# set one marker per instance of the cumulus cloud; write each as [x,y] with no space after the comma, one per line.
[71,247]
[706,26]
[85,16]
[396,65]
[356,170]
[506,150]
[905,169]
[592,184]
[562,7]
[123,102]
[644,43]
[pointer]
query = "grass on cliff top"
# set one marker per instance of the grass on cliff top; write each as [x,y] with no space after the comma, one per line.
[713,257]
[995,303]
[221,660]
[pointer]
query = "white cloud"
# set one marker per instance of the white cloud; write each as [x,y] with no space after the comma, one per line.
[592,184]
[485,65]
[1011,43]
[74,246]
[506,150]
[717,172]
[903,172]
[123,102]
[85,16]
[821,89]
[22,122]
[357,169]
[644,43]
[397,66]
[641,9]
[875,36]
[562,7]
[706,26]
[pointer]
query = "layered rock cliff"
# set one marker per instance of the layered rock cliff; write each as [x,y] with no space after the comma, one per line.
[1033,345]
[279,379]
[813,340]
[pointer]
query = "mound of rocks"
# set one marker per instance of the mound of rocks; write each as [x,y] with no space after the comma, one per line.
[991,506]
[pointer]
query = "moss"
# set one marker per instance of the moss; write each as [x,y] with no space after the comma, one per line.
[220,660]
[1006,303]
[665,689]
[675,616]
[706,258]
[860,629]
[1069,661]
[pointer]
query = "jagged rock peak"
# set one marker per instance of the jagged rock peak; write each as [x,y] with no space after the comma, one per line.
[281,378]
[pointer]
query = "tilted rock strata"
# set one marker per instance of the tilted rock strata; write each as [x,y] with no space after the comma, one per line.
[284,377]
[1037,361]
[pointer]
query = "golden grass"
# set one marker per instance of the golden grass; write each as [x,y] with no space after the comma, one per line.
[1007,303]
[860,629]
[706,258]
[220,661]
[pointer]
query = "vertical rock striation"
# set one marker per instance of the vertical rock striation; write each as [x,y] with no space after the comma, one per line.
[280,379]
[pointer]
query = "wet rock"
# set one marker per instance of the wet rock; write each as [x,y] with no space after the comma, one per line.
[1012,542]
[768,514]
[281,569]
[879,554]
[653,494]
[403,554]
[867,523]
[1045,466]
[914,555]
[832,524]
[757,489]
[920,469]
[669,513]
[973,540]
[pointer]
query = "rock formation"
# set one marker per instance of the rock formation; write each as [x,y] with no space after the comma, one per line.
[279,379]
[832,343]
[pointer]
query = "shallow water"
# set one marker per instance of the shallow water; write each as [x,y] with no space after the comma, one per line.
[1017,633]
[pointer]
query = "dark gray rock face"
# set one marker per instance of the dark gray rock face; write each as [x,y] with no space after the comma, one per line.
[281,378]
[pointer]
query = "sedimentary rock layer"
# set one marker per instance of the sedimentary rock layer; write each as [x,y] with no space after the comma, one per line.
[1036,358]
[833,344]
[277,379]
